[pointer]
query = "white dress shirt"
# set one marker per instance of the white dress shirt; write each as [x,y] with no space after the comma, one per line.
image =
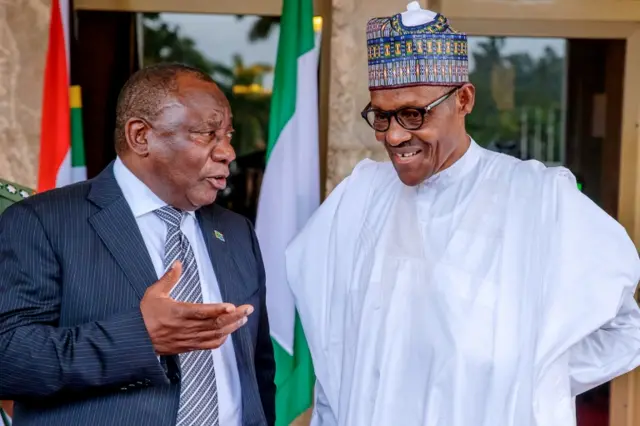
[143,202]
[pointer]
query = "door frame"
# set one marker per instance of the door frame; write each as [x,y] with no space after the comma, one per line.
[222,7]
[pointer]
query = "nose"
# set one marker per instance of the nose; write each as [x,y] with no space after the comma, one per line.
[396,134]
[223,152]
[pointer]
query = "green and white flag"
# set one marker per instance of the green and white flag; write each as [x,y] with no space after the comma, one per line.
[289,195]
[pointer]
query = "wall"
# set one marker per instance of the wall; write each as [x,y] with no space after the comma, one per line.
[24,26]
[350,139]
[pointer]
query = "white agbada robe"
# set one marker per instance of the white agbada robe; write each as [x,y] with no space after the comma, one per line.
[490,295]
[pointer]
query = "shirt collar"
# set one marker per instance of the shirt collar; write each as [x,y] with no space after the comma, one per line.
[139,196]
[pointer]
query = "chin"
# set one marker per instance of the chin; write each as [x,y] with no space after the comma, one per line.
[411,177]
[414,172]
[410,180]
[203,199]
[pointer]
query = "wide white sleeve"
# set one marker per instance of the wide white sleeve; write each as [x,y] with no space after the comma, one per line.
[590,309]
[317,261]
[610,351]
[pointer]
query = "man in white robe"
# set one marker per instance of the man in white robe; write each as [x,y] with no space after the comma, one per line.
[454,286]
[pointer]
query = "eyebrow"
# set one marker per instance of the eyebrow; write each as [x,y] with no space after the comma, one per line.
[403,105]
[211,122]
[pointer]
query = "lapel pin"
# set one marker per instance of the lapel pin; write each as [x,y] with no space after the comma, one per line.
[219,235]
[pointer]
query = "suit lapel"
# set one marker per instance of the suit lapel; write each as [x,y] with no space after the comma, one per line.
[232,289]
[220,242]
[119,232]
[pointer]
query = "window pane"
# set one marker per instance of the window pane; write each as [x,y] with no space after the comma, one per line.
[520,85]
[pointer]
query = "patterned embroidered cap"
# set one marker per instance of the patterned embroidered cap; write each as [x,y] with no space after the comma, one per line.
[417,47]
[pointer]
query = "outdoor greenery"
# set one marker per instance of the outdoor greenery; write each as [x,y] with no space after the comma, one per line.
[506,86]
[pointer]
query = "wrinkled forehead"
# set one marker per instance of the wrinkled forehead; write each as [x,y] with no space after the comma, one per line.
[416,96]
[203,101]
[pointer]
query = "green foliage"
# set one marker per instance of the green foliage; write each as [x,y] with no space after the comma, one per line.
[261,28]
[164,43]
[537,88]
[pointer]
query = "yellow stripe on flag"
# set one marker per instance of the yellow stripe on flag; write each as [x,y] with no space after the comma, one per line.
[75,97]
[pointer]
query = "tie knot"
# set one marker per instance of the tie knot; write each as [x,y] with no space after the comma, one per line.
[170,215]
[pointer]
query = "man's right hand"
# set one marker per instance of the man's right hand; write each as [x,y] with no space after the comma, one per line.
[177,327]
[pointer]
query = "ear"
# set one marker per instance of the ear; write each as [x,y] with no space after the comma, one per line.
[466,98]
[136,131]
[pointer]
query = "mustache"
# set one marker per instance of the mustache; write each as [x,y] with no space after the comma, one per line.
[411,142]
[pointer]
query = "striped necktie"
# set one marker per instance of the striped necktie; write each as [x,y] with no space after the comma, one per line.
[198,390]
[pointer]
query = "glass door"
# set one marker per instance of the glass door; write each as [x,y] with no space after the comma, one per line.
[554,100]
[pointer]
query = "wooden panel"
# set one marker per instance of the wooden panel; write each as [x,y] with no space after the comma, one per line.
[366,9]
[224,7]
[622,395]
[629,201]
[610,161]
[550,10]
[625,391]
[324,91]
[543,28]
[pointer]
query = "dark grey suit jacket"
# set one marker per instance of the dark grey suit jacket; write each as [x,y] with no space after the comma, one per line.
[74,349]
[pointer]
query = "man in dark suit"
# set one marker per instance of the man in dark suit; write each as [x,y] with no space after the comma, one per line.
[112,290]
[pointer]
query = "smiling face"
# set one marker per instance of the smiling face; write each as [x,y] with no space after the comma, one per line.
[185,151]
[438,142]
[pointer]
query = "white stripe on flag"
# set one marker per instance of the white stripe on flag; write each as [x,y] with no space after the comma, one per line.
[64,176]
[290,194]
[66,19]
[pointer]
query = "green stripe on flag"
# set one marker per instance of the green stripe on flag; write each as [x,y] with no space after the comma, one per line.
[295,379]
[77,131]
[296,39]
[295,376]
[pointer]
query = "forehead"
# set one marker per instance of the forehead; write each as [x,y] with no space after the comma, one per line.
[201,101]
[406,96]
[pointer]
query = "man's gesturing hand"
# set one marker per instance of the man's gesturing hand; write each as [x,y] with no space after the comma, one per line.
[177,327]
